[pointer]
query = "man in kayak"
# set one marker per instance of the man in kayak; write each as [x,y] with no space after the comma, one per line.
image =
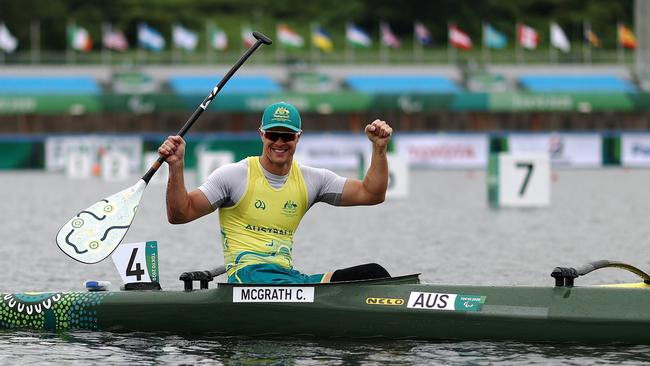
[262,199]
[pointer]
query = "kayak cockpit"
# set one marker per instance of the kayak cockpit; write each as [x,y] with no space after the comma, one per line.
[205,277]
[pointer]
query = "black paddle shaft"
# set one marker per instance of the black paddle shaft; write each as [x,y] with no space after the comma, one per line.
[260,40]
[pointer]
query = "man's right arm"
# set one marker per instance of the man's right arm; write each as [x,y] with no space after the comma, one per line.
[182,206]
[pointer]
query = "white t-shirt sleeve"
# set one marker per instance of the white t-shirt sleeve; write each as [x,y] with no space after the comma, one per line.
[226,185]
[323,185]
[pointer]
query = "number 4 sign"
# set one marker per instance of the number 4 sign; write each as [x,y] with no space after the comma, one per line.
[137,262]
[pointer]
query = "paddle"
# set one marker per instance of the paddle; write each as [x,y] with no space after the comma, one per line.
[94,233]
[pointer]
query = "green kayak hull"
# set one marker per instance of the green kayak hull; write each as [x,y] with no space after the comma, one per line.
[400,307]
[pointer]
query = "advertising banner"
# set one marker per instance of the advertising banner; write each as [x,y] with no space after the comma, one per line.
[581,102]
[333,151]
[635,149]
[564,149]
[444,151]
[59,148]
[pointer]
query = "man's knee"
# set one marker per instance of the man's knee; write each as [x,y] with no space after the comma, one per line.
[367,271]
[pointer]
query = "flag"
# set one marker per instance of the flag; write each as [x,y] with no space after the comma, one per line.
[492,38]
[218,39]
[626,37]
[288,37]
[356,36]
[321,39]
[184,38]
[114,39]
[527,37]
[149,38]
[79,39]
[591,37]
[422,34]
[458,38]
[8,42]
[247,36]
[559,39]
[388,38]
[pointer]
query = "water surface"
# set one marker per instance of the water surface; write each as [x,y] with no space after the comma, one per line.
[444,230]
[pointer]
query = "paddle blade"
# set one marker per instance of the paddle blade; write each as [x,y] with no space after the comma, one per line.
[94,233]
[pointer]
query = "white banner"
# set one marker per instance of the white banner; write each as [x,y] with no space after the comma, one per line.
[635,149]
[444,151]
[57,150]
[564,149]
[333,151]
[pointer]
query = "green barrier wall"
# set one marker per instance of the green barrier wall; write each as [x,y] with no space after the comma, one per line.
[321,102]
[50,104]
[553,102]
[21,155]
[341,102]
[611,150]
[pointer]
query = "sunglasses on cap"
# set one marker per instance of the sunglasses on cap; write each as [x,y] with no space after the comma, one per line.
[285,136]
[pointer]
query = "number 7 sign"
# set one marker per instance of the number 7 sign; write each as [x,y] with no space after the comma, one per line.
[519,180]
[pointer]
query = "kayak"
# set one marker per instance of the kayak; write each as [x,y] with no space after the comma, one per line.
[397,307]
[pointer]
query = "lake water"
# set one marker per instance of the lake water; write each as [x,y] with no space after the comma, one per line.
[444,230]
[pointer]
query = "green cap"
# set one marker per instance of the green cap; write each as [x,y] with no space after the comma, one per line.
[281,115]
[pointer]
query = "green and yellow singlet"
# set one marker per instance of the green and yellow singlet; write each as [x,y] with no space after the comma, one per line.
[260,227]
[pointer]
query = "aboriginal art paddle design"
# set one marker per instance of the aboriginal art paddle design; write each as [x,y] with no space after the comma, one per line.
[50,310]
[94,233]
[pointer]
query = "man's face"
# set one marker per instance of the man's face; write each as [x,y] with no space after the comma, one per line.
[279,144]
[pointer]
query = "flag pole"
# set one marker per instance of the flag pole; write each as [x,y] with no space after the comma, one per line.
[382,47]
[105,50]
[518,48]
[312,48]
[619,47]
[175,48]
[139,55]
[280,49]
[586,46]
[552,55]
[35,40]
[2,55]
[68,54]
[348,52]
[415,57]
[241,37]
[484,49]
[207,43]
[2,50]
[449,56]
[312,53]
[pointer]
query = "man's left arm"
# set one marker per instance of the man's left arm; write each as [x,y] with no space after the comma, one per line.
[372,189]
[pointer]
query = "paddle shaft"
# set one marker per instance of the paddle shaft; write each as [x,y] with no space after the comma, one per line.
[261,39]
